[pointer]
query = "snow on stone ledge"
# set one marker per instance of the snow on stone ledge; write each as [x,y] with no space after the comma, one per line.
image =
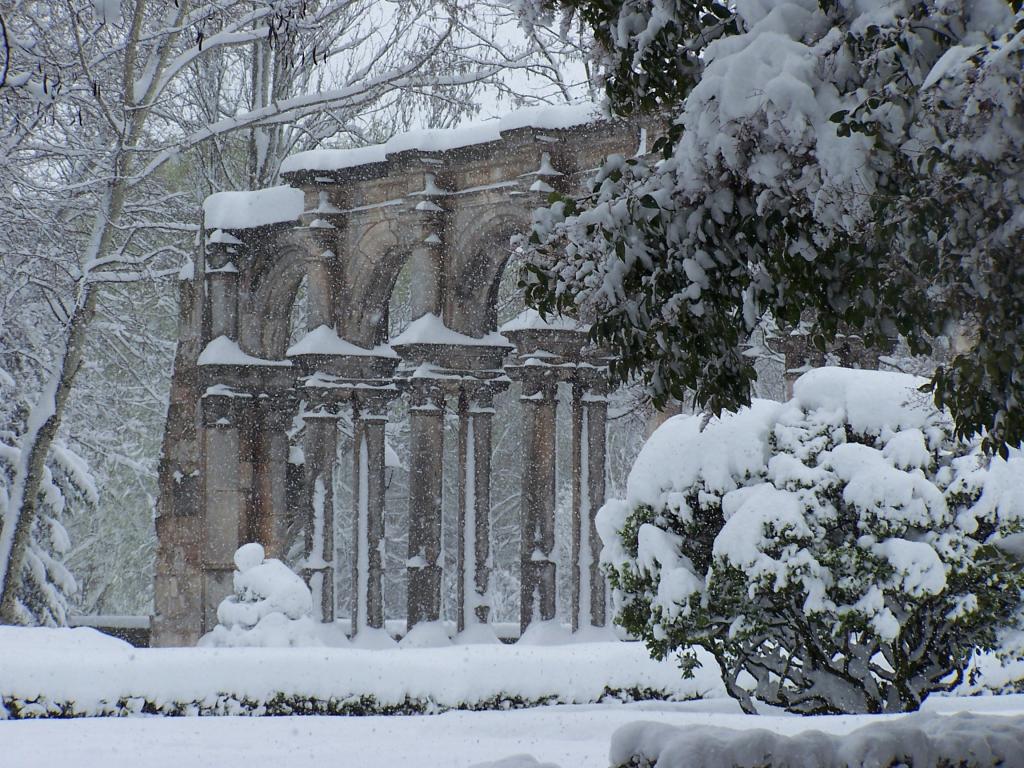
[546,117]
[531,320]
[245,210]
[323,340]
[225,351]
[923,739]
[430,329]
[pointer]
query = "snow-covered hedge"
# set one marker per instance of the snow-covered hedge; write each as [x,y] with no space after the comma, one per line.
[840,552]
[81,673]
[917,741]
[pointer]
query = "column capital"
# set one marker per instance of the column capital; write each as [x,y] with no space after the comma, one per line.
[425,394]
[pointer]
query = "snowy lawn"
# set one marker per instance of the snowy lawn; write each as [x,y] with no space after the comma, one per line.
[566,736]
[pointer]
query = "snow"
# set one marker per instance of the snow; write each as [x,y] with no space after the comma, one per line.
[919,740]
[679,454]
[430,329]
[531,320]
[545,633]
[426,634]
[556,117]
[225,351]
[95,671]
[323,340]
[870,400]
[562,736]
[271,606]
[245,210]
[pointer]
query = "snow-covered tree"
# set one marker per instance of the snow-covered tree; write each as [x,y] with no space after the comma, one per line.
[858,163]
[840,552]
[67,487]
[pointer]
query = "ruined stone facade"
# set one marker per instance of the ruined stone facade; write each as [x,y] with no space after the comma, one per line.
[348,223]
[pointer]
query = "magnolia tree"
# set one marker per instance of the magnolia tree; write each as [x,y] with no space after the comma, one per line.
[860,162]
[840,552]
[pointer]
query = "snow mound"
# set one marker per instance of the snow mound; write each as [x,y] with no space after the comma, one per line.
[430,329]
[271,607]
[530,320]
[426,634]
[225,351]
[920,740]
[324,340]
[516,761]
[545,633]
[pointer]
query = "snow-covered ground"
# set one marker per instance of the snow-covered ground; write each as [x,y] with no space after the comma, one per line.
[575,736]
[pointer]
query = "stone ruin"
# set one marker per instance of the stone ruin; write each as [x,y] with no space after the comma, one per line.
[348,221]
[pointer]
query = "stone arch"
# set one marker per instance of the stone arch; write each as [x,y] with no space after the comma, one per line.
[266,329]
[371,271]
[481,257]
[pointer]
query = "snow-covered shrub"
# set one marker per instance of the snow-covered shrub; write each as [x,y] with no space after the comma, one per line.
[963,740]
[841,552]
[272,606]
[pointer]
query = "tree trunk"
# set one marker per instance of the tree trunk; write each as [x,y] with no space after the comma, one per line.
[43,423]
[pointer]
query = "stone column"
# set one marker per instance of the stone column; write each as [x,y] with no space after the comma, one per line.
[476,409]
[227,485]
[590,414]
[269,524]
[319,304]
[426,447]
[589,428]
[321,456]
[368,422]
[222,295]
[537,596]
[427,255]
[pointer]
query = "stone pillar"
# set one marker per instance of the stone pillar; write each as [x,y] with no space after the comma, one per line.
[269,524]
[321,456]
[588,599]
[227,485]
[426,447]
[427,255]
[368,424]
[476,409]
[222,295]
[595,417]
[319,304]
[537,596]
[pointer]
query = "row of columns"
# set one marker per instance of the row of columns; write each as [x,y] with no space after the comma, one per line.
[474,402]
[258,476]
[588,413]
[368,419]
